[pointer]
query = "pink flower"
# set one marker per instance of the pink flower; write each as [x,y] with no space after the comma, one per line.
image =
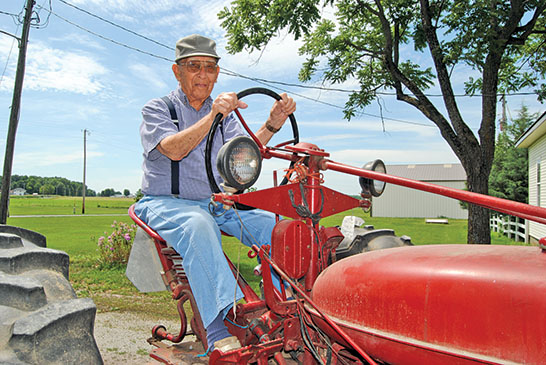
[127,237]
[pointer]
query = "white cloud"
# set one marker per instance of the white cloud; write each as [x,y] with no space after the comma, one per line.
[55,69]
[129,6]
[150,75]
[83,40]
[50,158]
[431,153]
[278,60]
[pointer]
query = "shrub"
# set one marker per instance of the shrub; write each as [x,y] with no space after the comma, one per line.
[114,249]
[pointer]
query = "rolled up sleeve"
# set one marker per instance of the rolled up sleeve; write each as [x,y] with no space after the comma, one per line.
[156,125]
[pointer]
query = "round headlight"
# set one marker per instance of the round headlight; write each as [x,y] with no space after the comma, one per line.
[239,162]
[373,187]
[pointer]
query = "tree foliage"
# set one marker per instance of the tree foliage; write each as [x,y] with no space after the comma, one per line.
[498,44]
[49,185]
[509,174]
[109,192]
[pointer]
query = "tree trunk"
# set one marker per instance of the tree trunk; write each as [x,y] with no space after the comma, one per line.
[478,217]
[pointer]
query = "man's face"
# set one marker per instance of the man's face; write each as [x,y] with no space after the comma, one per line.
[196,76]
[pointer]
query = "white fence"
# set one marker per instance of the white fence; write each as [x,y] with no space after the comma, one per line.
[513,227]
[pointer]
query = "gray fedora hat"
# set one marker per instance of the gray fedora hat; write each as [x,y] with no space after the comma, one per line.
[195,45]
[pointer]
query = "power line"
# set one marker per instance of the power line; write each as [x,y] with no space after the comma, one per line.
[228,72]
[231,73]
[10,14]
[36,19]
[260,80]
[106,38]
[116,25]
[235,74]
[9,56]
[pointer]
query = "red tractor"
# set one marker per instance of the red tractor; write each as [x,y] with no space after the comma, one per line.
[440,304]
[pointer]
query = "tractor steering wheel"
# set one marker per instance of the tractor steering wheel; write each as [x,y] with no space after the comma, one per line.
[217,120]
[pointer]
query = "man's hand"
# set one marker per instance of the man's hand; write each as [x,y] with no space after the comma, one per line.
[280,111]
[225,103]
[178,145]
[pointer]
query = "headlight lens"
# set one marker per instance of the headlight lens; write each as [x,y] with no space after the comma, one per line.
[239,162]
[373,187]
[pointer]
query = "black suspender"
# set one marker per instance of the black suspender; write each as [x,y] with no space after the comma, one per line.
[175,166]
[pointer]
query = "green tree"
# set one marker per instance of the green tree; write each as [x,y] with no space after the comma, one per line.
[139,195]
[126,192]
[498,44]
[33,184]
[108,192]
[509,174]
[47,189]
[60,189]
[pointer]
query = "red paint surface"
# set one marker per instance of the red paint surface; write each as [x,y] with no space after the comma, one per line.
[448,303]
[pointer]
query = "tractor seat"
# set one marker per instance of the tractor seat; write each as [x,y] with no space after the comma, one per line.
[172,272]
[152,249]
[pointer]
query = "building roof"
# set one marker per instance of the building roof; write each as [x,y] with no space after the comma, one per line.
[429,172]
[535,131]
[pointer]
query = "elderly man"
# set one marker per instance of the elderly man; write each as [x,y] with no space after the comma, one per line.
[175,186]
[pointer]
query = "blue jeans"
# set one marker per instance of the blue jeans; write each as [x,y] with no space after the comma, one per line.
[189,227]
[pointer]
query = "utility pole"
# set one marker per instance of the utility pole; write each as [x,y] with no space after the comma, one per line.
[14,115]
[85,131]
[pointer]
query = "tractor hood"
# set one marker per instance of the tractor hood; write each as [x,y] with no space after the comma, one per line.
[441,303]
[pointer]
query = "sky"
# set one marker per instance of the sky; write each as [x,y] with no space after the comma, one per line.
[85,75]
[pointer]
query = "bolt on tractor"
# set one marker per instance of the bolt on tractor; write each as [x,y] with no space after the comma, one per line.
[346,299]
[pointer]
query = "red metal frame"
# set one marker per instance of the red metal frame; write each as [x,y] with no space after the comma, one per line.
[174,277]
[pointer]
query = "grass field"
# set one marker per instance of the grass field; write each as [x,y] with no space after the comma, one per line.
[77,235]
[50,205]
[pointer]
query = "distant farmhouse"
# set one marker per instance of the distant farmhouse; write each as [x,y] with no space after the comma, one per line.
[399,201]
[534,139]
[18,191]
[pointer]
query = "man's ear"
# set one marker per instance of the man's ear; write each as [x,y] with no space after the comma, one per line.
[217,74]
[176,71]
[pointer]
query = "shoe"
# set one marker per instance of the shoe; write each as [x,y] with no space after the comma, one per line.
[227,344]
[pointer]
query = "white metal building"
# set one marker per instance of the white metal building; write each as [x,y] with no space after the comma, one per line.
[534,139]
[399,201]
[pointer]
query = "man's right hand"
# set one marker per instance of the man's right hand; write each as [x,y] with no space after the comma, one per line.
[225,103]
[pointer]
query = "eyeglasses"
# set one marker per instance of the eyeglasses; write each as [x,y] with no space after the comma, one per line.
[195,66]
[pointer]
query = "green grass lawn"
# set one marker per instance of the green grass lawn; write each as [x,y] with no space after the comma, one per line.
[77,235]
[48,205]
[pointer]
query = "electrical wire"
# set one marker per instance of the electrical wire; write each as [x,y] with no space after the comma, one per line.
[256,79]
[269,83]
[10,14]
[9,56]
[115,25]
[36,20]
[308,342]
[106,38]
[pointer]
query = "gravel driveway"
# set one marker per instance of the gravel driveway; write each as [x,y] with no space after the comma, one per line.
[121,337]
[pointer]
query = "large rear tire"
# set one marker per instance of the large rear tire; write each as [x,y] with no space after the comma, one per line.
[41,319]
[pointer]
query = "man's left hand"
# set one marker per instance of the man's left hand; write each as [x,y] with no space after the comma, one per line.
[281,110]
